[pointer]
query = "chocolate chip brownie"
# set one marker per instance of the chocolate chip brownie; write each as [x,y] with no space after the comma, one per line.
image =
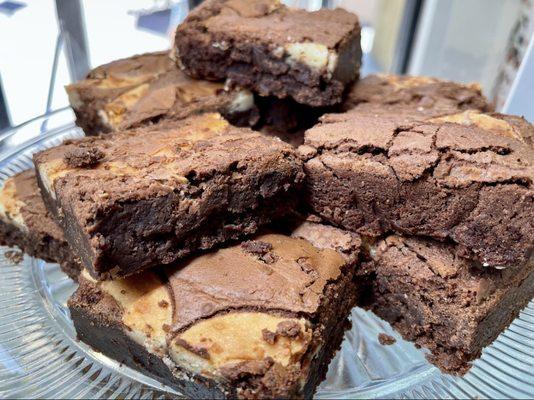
[466,177]
[271,49]
[259,319]
[443,302]
[25,223]
[139,198]
[142,89]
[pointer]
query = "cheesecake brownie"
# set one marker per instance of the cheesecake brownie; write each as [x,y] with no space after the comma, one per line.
[25,223]
[465,177]
[443,302]
[145,197]
[145,88]
[425,95]
[271,49]
[259,319]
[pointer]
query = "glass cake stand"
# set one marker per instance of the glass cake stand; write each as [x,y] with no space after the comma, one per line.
[40,356]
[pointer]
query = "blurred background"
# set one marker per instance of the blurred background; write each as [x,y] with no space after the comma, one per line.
[46,44]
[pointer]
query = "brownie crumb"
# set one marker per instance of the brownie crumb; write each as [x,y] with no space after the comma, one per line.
[200,351]
[386,340]
[268,336]
[244,369]
[261,249]
[14,256]
[83,157]
[288,329]
[163,304]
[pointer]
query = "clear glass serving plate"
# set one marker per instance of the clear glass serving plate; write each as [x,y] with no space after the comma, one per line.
[40,356]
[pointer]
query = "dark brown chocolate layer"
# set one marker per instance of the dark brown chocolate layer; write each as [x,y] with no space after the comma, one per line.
[160,193]
[443,302]
[307,286]
[272,49]
[26,223]
[466,177]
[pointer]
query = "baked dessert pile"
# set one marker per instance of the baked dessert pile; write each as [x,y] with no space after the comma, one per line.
[238,195]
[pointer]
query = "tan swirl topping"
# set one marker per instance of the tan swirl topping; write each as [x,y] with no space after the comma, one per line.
[483,121]
[228,339]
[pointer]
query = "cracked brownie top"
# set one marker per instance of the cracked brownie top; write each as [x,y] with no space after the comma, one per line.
[466,177]
[428,96]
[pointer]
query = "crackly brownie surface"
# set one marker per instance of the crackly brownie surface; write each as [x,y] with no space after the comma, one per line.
[444,302]
[145,88]
[270,48]
[259,319]
[145,197]
[25,223]
[428,96]
[465,177]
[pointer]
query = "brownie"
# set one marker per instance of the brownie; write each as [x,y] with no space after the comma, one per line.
[428,96]
[145,88]
[271,49]
[465,177]
[447,304]
[258,319]
[139,198]
[25,223]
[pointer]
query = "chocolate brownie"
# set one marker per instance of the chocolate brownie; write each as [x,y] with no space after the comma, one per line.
[25,223]
[139,198]
[259,319]
[465,177]
[443,302]
[425,95]
[142,89]
[272,49]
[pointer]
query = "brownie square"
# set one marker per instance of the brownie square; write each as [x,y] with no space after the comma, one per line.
[259,319]
[443,302]
[139,198]
[465,177]
[428,96]
[26,223]
[142,89]
[271,49]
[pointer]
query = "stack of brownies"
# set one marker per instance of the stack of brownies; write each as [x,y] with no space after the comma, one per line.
[237,196]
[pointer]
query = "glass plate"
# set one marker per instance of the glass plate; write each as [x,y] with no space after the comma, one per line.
[40,356]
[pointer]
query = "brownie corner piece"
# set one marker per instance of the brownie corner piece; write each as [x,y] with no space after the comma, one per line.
[143,89]
[26,223]
[257,319]
[452,306]
[140,198]
[272,49]
[465,177]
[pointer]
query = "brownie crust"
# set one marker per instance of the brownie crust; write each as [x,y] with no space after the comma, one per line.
[427,96]
[464,177]
[141,198]
[272,49]
[26,224]
[444,303]
[146,88]
[308,289]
